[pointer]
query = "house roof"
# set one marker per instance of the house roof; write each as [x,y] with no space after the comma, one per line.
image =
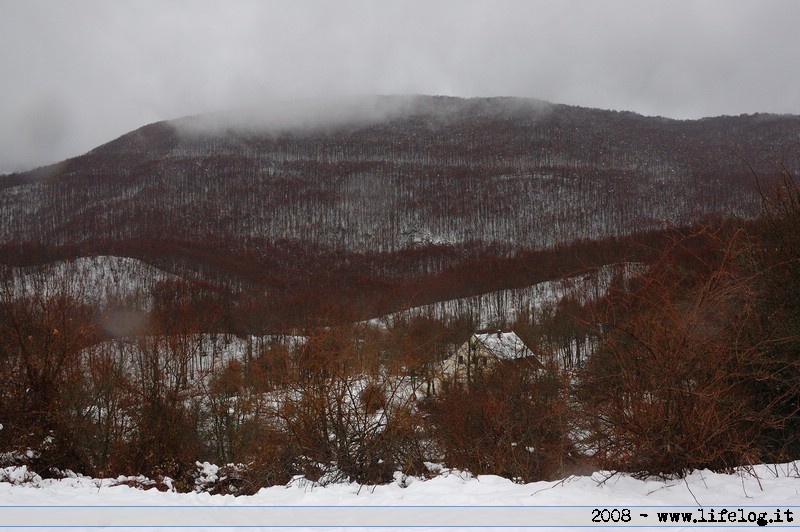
[505,346]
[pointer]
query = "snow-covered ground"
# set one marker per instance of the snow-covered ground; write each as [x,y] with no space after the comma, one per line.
[452,500]
[504,306]
[97,278]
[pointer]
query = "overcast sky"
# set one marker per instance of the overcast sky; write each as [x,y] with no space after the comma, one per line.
[75,74]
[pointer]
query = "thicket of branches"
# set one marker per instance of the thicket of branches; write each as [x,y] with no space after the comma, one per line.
[698,362]
[512,422]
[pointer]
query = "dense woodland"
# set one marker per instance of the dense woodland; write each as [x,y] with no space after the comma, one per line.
[240,236]
[395,202]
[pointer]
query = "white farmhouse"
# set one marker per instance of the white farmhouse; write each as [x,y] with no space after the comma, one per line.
[481,352]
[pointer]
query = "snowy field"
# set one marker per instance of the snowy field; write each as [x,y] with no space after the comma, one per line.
[452,500]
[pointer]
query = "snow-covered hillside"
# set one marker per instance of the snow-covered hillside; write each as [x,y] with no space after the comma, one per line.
[453,500]
[503,306]
[97,279]
[510,171]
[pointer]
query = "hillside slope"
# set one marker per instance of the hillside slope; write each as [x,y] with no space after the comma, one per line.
[384,176]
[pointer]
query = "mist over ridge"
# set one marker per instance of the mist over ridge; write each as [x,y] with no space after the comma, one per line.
[323,113]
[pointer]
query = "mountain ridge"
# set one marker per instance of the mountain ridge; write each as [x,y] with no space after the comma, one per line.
[473,141]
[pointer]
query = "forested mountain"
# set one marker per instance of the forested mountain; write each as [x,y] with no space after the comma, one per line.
[207,289]
[367,193]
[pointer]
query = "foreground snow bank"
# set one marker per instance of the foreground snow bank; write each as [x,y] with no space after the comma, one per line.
[770,486]
[763,484]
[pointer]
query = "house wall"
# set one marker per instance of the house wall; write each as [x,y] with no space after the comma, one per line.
[471,352]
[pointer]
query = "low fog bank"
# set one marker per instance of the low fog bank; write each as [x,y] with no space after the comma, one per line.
[331,112]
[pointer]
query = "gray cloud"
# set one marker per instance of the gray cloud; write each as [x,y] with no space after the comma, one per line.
[76,74]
